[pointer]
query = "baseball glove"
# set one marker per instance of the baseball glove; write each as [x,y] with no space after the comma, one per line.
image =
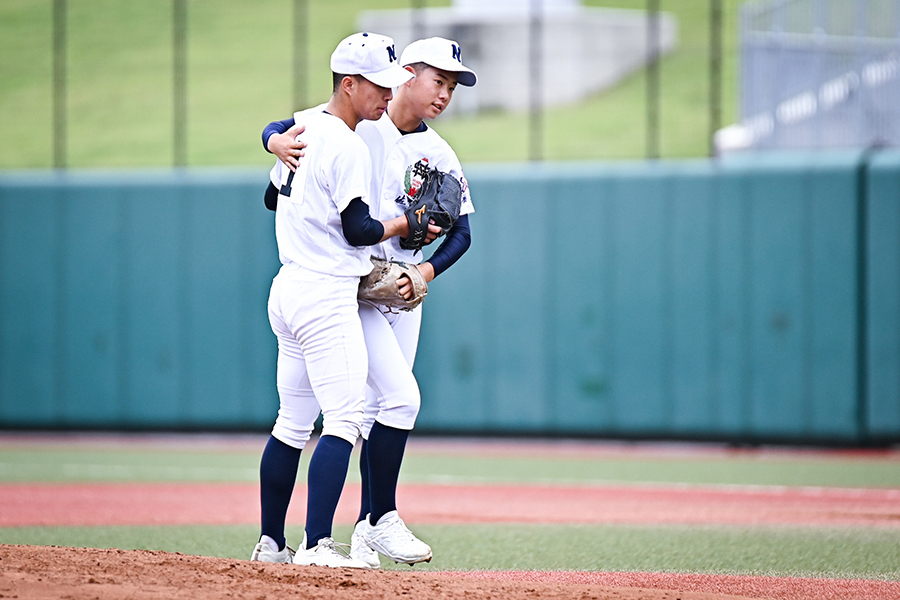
[437,200]
[381,285]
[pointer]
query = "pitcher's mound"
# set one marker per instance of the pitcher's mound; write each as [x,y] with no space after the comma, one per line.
[38,572]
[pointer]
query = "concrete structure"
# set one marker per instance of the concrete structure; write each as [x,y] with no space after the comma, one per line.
[581,50]
[817,74]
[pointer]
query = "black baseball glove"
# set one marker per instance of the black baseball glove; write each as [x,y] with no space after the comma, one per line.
[437,201]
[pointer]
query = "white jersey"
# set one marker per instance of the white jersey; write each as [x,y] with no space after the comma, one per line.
[280,170]
[393,156]
[335,169]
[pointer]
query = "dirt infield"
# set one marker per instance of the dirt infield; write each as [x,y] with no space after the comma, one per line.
[88,574]
[44,572]
[238,503]
[38,572]
[775,588]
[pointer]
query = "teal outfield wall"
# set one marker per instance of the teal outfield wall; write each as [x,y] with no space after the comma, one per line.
[754,299]
[135,301]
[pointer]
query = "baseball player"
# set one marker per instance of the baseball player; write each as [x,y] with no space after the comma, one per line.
[324,233]
[401,146]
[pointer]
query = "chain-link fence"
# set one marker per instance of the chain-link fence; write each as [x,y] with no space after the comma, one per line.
[114,83]
[819,74]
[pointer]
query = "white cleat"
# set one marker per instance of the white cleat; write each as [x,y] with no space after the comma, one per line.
[265,553]
[359,549]
[391,537]
[324,554]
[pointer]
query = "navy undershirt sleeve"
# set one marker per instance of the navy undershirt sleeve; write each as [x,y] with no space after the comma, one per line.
[360,229]
[271,195]
[458,240]
[270,198]
[273,128]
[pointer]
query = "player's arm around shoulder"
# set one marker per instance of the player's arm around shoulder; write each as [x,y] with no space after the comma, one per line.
[287,147]
[281,139]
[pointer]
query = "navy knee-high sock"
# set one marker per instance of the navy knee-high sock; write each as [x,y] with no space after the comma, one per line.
[277,476]
[364,506]
[325,482]
[385,455]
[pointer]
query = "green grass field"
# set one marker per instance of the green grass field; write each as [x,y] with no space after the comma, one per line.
[52,463]
[844,553]
[815,551]
[119,84]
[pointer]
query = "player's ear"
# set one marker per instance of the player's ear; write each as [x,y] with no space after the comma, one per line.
[411,70]
[348,83]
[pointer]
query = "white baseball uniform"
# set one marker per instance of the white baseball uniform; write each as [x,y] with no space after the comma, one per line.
[322,359]
[392,338]
[393,396]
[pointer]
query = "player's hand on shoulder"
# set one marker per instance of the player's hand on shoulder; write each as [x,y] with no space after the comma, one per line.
[287,147]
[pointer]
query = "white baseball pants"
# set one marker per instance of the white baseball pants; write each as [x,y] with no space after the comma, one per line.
[392,394]
[322,360]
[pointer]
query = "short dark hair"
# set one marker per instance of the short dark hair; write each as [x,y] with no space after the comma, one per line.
[337,78]
[418,67]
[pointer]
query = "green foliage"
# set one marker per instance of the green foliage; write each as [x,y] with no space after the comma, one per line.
[240,58]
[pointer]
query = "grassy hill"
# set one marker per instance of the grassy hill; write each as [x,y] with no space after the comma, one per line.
[119,85]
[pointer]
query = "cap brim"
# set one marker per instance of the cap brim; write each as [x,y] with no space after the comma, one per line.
[467,78]
[390,77]
[465,75]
